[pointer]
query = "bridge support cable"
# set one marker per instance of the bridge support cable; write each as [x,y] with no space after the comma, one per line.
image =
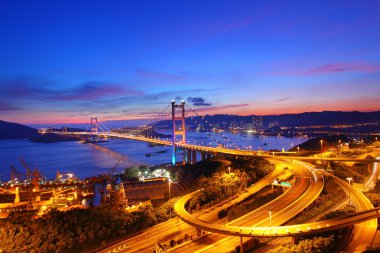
[88,124]
[204,129]
[232,143]
[201,126]
[159,117]
[104,127]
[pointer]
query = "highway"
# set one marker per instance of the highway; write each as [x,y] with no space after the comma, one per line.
[283,240]
[175,228]
[356,240]
[304,192]
[363,233]
[207,244]
[169,230]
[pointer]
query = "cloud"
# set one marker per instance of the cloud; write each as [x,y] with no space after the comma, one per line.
[40,90]
[158,75]
[96,90]
[222,107]
[332,68]
[198,101]
[4,106]
[282,99]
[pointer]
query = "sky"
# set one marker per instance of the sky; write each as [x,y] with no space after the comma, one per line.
[65,61]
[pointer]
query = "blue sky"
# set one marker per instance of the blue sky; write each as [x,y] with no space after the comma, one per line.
[62,61]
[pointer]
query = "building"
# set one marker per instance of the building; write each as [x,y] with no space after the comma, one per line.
[248,127]
[258,124]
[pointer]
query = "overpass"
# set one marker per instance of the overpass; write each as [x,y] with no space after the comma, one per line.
[275,231]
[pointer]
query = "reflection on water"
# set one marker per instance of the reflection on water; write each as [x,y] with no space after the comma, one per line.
[85,160]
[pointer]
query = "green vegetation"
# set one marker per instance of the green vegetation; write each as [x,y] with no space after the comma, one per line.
[331,195]
[132,173]
[248,206]
[317,244]
[358,171]
[75,230]
[374,195]
[219,186]
[339,213]
[187,174]
[218,183]
[254,168]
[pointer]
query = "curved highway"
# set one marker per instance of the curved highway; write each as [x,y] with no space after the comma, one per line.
[305,190]
[363,233]
[173,228]
[278,231]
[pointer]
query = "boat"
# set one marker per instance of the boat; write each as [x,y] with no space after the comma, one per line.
[94,141]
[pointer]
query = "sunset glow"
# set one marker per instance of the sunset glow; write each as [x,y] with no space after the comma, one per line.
[64,62]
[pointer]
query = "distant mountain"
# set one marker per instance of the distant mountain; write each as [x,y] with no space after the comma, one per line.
[10,130]
[325,118]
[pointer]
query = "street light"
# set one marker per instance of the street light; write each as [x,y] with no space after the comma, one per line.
[270,222]
[229,169]
[339,147]
[298,150]
[321,150]
[349,190]
[169,186]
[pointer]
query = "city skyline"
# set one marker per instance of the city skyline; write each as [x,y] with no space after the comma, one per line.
[62,62]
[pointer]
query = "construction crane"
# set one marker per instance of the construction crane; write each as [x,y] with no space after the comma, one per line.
[28,170]
[14,173]
[34,177]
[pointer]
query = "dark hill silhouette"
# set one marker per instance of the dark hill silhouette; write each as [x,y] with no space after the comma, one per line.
[325,118]
[9,130]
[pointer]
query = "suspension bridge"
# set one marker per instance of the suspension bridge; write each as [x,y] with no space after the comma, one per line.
[176,115]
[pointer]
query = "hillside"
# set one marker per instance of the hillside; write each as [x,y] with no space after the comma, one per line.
[10,130]
[325,118]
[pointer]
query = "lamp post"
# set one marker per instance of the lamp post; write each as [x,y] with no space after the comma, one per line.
[298,151]
[349,190]
[270,222]
[169,186]
[170,209]
[321,150]
[229,169]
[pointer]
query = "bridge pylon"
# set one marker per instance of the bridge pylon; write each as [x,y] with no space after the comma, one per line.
[178,132]
[94,127]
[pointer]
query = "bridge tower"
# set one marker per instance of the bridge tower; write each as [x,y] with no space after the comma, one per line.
[94,127]
[176,132]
